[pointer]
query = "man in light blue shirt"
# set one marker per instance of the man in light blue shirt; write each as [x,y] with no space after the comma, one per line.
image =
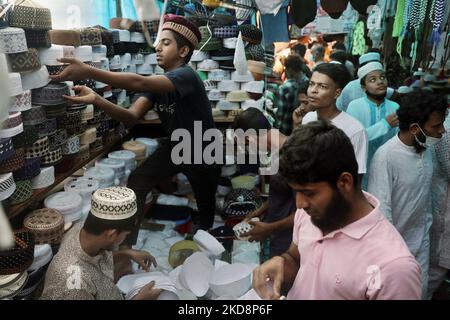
[353,90]
[374,111]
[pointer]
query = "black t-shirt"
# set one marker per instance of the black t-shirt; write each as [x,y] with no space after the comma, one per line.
[187,104]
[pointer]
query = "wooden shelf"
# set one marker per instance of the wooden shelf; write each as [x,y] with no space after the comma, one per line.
[40,194]
[216,119]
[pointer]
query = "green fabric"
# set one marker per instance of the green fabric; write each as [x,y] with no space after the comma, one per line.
[399,20]
[358,40]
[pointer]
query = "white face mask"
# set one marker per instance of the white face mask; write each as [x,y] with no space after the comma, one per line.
[429,141]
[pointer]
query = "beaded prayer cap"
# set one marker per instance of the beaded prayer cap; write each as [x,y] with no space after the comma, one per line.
[116,203]
[183,27]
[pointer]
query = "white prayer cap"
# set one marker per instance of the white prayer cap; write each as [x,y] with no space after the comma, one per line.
[404,90]
[116,203]
[368,68]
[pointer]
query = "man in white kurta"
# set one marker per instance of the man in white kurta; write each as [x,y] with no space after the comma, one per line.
[401,172]
[401,179]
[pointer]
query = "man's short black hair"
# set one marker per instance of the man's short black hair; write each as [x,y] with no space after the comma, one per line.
[293,64]
[339,46]
[303,87]
[318,152]
[339,55]
[416,107]
[300,49]
[337,72]
[251,118]
[181,42]
[97,226]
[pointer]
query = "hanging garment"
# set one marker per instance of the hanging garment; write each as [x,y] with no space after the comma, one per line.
[358,40]
[334,8]
[275,28]
[303,12]
[269,6]
[362,5]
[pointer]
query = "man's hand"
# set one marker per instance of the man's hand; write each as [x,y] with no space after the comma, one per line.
[142,258]
[299,114]
[148,292]
[76,70]
[260,231]
[84,95]
[392,119]
[271,271]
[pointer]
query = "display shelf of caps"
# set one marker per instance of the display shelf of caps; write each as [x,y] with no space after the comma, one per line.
[46,183]
[45,139]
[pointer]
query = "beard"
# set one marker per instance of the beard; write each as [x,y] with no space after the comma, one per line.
[336,214]
[377,97]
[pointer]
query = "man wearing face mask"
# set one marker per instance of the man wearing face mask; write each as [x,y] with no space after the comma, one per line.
[401,172]
[374,111]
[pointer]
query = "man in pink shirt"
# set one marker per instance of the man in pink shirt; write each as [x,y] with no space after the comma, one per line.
[343,247]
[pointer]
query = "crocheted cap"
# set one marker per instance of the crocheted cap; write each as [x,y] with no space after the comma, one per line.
[183,27]
[116,203]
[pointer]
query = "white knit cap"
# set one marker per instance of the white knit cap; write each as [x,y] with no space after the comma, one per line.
[368,68]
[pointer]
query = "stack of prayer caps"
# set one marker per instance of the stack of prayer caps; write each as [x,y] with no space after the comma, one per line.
[21,102]
[12,126]
[14,263]
[44,179]
[25,61]
[70,204]
[105,176]
[84,186]
[46,224]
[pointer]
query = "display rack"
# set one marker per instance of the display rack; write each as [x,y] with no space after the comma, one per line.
[40,194]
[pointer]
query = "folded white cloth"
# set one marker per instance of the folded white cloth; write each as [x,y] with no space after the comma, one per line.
[169,200]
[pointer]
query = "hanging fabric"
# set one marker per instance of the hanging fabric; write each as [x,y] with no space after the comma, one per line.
[358,40]
[269,6]
[362,5]
[417,18]
[275,27]
[147,10]
[303,11]
[240,60]
[334,8]
[399,18]
[436,18]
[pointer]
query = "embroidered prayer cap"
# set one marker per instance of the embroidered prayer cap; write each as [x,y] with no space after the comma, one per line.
[30,14]
[254,52]
[368,68]
[222,54]
[183,27]
[240,202]
[368,57]
[250,33]
[25,61]
[18,258]
[116,203]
